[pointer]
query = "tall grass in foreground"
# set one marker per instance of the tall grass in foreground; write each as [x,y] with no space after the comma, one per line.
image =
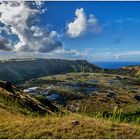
[59,125]
[117,115]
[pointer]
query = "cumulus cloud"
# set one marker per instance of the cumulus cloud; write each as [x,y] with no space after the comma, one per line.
[82,24]
[5,29]
[5,45]
[20,17]
[78,26]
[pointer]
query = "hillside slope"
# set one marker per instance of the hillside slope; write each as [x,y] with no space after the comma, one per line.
[20,70]
[89,92]
[133,71]
[18,120]
[13,100]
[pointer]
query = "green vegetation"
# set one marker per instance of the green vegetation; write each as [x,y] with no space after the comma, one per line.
[62,126]
[18,71]
[111,91]
[89,105]
[132,71]
[24,116]
[21,102]
[138,74]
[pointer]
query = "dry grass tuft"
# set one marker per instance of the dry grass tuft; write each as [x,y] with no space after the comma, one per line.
[58,126]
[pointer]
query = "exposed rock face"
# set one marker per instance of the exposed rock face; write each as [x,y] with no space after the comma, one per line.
[20,70]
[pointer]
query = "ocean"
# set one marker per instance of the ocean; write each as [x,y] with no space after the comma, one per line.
[113,65]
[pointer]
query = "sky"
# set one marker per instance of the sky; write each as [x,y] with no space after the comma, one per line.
[95,31]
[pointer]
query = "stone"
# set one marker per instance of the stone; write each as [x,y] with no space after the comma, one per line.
[75,122]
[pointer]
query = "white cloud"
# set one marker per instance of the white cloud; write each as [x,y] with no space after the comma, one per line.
[118,56]
[128,54]
[20,16]
[57,53]
[93,24]
[33,41]
[78,26]
[83,24]
[90,55]
[126,20]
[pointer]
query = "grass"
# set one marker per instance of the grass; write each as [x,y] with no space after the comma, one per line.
[138,73]
[119,92]
[23,103]
[60,126]
[121,122]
